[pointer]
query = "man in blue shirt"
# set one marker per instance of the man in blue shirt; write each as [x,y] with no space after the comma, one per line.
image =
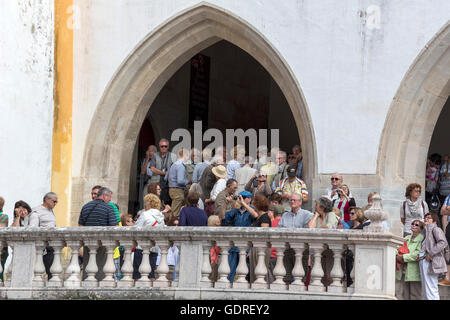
[237,218]
[177,181]
[240,217]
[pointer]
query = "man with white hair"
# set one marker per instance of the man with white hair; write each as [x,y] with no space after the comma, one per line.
[282,169]
[336,182]
[43,216]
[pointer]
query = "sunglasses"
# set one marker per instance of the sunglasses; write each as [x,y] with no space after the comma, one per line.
[333,179]
[352,213]
[54,201]
[163,146]
[415,224]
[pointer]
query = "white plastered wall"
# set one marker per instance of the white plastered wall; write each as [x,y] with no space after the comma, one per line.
[26,101]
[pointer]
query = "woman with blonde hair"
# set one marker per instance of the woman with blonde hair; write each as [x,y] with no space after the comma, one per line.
[151,216]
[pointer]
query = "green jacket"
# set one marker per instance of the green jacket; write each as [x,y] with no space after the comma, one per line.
[412,266]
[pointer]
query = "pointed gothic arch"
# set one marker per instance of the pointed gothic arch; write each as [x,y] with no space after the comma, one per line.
[120,113]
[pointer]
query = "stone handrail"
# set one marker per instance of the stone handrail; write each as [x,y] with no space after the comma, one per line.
[373,273]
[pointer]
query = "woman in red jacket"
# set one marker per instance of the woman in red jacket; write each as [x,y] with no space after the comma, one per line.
[344,202]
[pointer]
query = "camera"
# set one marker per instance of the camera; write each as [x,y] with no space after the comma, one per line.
[235,198]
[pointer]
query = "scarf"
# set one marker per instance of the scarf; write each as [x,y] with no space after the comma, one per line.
[414,208]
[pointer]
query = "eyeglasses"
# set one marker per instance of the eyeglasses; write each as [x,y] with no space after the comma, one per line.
[334,179]
[163,146]
[54,201]
[415,224]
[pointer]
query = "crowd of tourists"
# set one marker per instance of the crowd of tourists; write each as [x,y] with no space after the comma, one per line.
[199,188]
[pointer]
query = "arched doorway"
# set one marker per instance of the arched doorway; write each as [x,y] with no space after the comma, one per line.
[121,112]
[232,91]
[411,121]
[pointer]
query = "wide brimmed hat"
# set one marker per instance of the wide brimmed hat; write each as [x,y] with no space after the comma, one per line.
[220,172]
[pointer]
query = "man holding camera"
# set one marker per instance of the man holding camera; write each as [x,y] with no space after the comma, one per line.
[240,216]
[224,200]
[258,184]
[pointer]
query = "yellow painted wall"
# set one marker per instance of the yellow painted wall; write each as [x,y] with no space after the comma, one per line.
[62,128]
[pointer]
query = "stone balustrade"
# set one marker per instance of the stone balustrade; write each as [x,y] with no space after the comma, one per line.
[373,273]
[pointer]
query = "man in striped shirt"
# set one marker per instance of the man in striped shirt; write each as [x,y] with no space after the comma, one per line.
[97,213]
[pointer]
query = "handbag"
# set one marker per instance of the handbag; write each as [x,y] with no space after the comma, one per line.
[401,251]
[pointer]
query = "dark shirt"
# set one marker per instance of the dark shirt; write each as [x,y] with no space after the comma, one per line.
[207,181]
[192,217]
[237,218]
[262,219]
[97,213]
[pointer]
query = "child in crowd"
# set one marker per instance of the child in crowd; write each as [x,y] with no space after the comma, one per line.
[126,221]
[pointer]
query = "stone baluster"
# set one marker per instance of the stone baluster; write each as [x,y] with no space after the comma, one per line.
[39,268]
[336,273]
[351,289]
[315,284]
[7,273]
[176,269]
[3,245]
[127,269]
[73,270]
[144,268]
[279,271]
[242,269]
[260,269]
[163,268]
[91,268]
[109,268]
[205,282]
[224,267]
[56,269]
[298,272]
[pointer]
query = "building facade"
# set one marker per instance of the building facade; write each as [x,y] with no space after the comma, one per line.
[363,86]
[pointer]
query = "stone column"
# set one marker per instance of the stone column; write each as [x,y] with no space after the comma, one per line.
[127,269]
[56,268]
[298,272]
[39,268]
[336,273]
[163,268]
[109,267]
[315,284]
[242,269]
[260,269]
[144,268]
[206,266]
[73,270]
[224,267]
[279,271]
[91,268]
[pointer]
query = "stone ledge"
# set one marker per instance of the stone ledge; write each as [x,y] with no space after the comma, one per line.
[176,293]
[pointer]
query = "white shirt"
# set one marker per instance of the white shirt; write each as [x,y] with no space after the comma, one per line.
[219,186]
[243,176]
[150,217]
[40,216]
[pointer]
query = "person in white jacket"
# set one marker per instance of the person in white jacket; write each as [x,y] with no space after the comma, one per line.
[151,217]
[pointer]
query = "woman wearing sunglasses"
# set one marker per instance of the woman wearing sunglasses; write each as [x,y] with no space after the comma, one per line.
[407,284]
[431,258]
